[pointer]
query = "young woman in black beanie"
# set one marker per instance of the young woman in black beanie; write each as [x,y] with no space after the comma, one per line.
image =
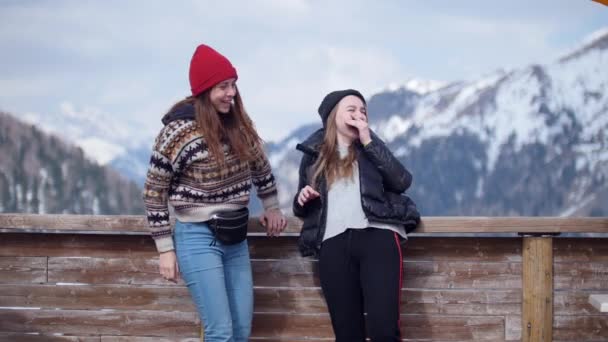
[355,217]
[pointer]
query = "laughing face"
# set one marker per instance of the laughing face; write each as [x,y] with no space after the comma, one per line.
[350,108]
[222,94]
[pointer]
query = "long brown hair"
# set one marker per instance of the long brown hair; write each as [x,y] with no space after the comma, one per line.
[329,164]
[234,128]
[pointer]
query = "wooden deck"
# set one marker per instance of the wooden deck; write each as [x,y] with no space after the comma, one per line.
[95,278]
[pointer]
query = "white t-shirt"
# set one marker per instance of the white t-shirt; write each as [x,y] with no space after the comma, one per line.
[344,208]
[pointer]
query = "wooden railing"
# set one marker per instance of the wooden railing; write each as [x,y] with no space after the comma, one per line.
[95,278]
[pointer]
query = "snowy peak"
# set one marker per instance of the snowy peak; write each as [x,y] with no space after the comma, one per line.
[528,141]
[423,86]
[596,41]
[102,138]
[416,85]
[42,174]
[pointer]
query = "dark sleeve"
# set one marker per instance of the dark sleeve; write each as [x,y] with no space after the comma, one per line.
[395,176]
[298,210]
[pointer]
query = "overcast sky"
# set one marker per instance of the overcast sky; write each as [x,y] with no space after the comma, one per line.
[129,59]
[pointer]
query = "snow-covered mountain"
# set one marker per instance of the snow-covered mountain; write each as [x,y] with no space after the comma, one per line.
[416,85]
[529,141]
[123,144]
[41,173]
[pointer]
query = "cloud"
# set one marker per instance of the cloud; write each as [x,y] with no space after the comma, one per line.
[362,68]
[119,91]
[291,86]
[130,59]
[24,88]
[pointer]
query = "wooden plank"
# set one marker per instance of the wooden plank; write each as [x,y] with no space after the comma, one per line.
[462,275]
[450,328]
[580,250]
[286,273]
[114,297]
[573,303]
[513,327]
[261,247]
[289,301]
[267,300]
[416,249]
[49,223]
[580,276]
[95,322]
[270,339]
[513,225]
[101,224]
[580,328]
[148,339]
[463,248]
[178,325]
[129,224]
[447,328]
[17,270]
[299,273]
[413,301]
[452,340]
[143,271]
[86,270]
[112,246]
[85,245]
[461,302]
[599,302]
[260,339]
[172,298]
[291,326]
[23,337]
[570,310]
[537,308]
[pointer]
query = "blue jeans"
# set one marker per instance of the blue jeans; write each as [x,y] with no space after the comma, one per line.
[219,279]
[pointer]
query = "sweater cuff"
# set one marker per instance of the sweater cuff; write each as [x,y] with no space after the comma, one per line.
[270,202]
[164,244]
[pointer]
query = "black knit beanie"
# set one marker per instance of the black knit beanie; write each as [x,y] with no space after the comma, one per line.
[331,100]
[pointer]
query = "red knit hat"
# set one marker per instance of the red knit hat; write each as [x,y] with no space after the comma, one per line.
[208,68]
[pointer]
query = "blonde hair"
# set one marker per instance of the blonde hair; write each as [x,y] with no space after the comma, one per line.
[329,164]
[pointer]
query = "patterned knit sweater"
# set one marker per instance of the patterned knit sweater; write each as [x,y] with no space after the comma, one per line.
[182,174]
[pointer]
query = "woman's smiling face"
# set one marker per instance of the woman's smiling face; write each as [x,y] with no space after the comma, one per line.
[349,108]
[222,94]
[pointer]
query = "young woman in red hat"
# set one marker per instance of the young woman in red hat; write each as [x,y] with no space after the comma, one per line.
[204,162]
[350,198]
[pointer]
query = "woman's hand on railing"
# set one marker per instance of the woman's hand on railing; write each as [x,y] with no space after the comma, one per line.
[274,221]
[307,194]
[168,266]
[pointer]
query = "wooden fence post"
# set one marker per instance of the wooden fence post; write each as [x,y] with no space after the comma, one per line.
[537,306]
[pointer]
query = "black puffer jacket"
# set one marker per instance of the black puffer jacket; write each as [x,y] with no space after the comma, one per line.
[383,180]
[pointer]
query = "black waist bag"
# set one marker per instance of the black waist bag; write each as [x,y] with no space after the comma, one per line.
[229,227]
